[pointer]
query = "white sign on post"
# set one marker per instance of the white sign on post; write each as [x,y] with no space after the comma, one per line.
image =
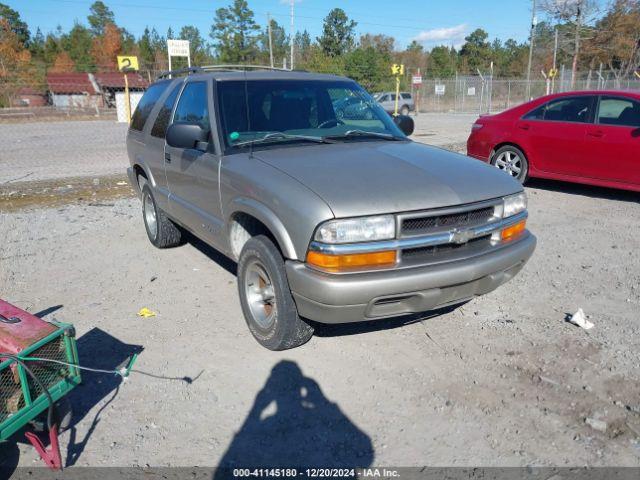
[416,80]
[471,91]
[179,48]
[440,89]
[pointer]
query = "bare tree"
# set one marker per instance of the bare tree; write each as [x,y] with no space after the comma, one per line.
[577,13]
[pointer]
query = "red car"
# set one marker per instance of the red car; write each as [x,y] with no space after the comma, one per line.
[585,137]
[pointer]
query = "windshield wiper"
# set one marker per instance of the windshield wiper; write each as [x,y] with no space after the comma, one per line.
[365,133]
[283,136]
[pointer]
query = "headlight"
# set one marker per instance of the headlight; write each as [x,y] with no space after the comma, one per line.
[514,204]
[366,229]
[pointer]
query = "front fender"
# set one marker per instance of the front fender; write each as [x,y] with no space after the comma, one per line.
[260,211]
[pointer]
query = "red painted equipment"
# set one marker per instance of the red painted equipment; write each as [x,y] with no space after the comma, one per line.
[37,367]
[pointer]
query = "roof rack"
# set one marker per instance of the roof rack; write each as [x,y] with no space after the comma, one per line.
[219,68]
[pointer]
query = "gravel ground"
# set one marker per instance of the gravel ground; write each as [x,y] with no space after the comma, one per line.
[39,151]
[503,380]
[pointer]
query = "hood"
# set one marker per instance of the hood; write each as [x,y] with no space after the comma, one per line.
[370,178]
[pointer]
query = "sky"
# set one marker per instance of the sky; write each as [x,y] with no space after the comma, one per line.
[431,22]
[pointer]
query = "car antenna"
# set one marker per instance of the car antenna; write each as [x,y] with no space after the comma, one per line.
[246,101]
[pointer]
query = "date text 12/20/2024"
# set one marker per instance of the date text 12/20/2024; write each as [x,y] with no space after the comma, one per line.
[316,472]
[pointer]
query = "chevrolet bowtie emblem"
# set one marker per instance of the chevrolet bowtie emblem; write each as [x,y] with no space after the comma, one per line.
[461,236]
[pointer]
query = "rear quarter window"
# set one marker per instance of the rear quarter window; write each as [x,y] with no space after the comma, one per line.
[146,104]
[161,124]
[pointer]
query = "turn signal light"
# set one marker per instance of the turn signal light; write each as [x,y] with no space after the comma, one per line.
[513,232]
[341,263]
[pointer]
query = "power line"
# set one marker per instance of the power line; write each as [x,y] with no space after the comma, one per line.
[202,10]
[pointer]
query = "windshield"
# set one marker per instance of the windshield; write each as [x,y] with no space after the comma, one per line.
[260,111]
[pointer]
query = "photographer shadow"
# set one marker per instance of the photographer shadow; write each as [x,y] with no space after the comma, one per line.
[292,424]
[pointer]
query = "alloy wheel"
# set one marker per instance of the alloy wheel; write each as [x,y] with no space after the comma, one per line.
[150,214]
[510,162]
[260,294]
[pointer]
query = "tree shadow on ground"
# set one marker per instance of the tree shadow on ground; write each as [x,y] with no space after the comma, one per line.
[585,190]
[292,424]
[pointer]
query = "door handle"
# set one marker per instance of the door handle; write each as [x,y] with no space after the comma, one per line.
[597,134]
[524,126]
[167,157]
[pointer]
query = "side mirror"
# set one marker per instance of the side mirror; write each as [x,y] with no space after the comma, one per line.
[404,123]
[188,136]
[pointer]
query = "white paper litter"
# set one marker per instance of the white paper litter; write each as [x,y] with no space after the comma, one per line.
[580,320]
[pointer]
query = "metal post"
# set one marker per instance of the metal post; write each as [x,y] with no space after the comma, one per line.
[555,57]
[417,99]
[491,89]
[127,98]
[508,94]
[270,41]
[531,40]
[395,110]
[464,90]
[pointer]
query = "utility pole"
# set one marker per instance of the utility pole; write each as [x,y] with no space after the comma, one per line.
[270,41]
[574,66]
[531,40]
[291,34]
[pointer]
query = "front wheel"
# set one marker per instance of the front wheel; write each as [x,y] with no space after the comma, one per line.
[511,160]
[265,297]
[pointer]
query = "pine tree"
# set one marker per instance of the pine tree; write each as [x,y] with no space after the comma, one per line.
[100,16]
[234,33]
[337,33]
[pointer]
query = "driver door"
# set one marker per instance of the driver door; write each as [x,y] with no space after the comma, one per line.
[192,175]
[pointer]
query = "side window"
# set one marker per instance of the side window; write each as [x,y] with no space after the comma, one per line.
[146,104]
[161,124]
[571,109]
[537,114]
[574,109]
[192,106]
[383,98]
[393,97]
[619,111]
[406,96]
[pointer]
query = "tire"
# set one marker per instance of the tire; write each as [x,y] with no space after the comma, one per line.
[162,232]
[265,297]
[404,110]
[512,161]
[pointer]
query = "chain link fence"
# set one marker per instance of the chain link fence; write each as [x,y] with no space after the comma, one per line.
[476,94]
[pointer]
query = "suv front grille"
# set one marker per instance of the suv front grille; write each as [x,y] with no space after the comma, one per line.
[429,224]
[430,254]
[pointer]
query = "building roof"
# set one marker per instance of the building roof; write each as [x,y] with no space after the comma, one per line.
[30,91]
[71,82]
[116,80]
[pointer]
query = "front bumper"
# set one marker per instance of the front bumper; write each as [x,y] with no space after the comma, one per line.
[330,298]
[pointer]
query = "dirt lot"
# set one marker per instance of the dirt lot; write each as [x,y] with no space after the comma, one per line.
[503,380]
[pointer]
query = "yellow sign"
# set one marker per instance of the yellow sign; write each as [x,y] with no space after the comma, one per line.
[397,69]
[553,73]
[128,63]
[637,73]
